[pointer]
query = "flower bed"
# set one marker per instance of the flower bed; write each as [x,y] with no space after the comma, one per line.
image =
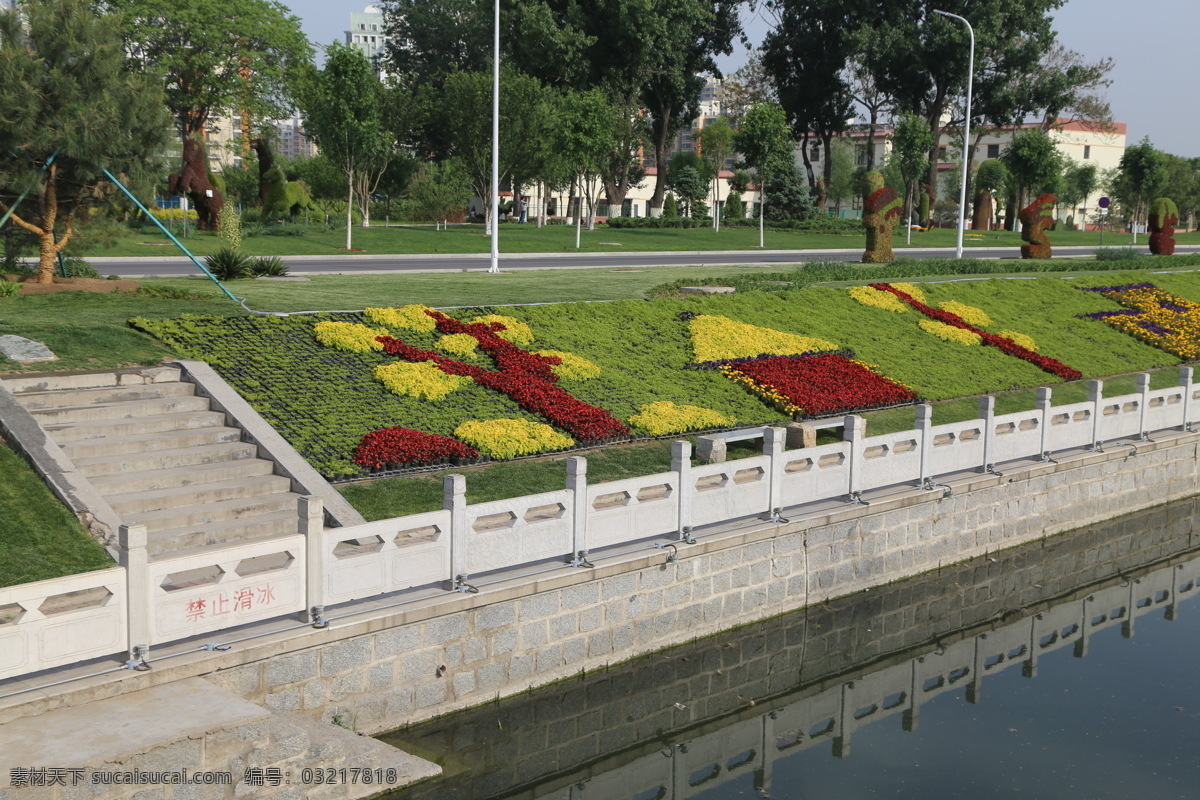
[716,338]
[1156,317]
[819,384]
[400,447]
[664,417]
[509,438]
[1001,343]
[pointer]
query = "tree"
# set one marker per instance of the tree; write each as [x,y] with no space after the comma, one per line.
[748,86]
[868,95]
[583,137]
[690,185]
[216,62]
[343,106]
[716,145]
[990,179]
[72,109]
[910,146]
[684,38]
[1077,184]
[439,191]
[1183,185]
[764,142]
[1034,163]
[1143,173]
[468,133]
[845,178]
[920,58]
[788,194]
[806,55]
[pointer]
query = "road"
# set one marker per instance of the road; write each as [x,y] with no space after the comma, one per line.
[174,266]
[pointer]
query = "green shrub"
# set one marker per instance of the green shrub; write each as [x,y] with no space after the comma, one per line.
[670,208]
[268,267]
[8,289]
[78,268]
[732,209]
[228,265]
[1117,254]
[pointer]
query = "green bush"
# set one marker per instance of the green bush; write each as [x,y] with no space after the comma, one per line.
[78,268]
[8,289]
[670,208]
[655,222]
[228,265]
[1118,254]
[268,267]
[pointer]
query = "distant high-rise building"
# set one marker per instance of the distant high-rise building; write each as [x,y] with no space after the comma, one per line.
[367,34]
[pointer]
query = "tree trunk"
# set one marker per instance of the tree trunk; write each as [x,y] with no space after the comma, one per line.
[871,138]
[662,144]
[808,170]
[827,146]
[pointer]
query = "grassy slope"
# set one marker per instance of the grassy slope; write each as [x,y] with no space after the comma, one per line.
[39,537]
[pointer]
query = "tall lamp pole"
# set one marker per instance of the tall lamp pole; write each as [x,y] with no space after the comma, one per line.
[962,189]
[495,265]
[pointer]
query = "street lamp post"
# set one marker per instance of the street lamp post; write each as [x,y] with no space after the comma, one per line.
[962,189]
[495,263]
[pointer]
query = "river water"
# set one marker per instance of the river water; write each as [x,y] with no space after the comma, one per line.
[1069,668]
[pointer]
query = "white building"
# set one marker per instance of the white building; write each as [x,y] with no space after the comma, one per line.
[367,34]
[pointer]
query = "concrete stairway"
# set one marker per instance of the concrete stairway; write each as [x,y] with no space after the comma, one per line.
[160,457]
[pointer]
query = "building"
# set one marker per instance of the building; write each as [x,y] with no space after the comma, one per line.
[367,33]
[1081,142]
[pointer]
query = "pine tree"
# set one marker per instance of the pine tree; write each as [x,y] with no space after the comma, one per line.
[72,108]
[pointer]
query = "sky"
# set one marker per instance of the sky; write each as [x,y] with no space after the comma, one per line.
[1152,44]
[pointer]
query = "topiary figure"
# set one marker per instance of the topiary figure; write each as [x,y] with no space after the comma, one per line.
[1163,216]
[203,189]
[1035,218]
[285,198]
[882,208]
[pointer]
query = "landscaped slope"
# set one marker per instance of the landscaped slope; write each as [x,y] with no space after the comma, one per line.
[529,379]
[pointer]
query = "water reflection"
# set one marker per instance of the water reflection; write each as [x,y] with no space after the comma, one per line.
[758,711]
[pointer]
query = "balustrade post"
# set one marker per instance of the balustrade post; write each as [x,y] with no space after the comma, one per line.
[577,485]
[681,465]
[312,528]
[924,425]
[1185,380]
[852,433]
[454,500]
[131,544]
[1044,400]
[774,443]
[1142,387]
[1096,398]
[987,413]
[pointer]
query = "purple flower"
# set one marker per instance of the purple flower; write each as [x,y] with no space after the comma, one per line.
[1129,312]
[1116,289]
[1155,328]
[1169,306]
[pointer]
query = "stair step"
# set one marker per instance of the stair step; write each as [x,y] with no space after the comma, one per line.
[121,463]
[76,431]
[190,538]
[197,476]
[136,504]
[130,409]
[89,380]
[223,511]
[120,446]
[105,394]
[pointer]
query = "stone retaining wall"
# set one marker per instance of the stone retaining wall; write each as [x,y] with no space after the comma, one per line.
[412,664]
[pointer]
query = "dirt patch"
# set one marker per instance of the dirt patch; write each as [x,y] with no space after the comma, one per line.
[29,285]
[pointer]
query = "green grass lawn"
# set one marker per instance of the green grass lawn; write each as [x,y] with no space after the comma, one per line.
[39,537]
[561,239]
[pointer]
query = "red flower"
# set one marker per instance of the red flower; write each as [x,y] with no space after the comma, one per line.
[525,377]
[396,446]
[824,383]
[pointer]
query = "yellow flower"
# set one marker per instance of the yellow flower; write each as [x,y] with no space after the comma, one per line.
[950,333]
[665,417]
[911,290]
[515,331]
[1021,339]
[349,336]
[572,367]
[412,318]
[968,314]
[458,344]
[422,380]
[878,298]
[508,438]
[717,338]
